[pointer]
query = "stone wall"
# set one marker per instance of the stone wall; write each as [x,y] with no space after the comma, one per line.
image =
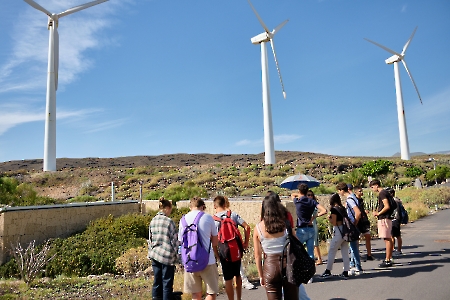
[39,223]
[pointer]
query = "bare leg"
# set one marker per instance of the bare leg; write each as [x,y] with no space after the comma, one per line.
[209,297]
[399,243]
[238,288]
[229,289]
[368,244]
[317,253]
[389,245]
[197,296]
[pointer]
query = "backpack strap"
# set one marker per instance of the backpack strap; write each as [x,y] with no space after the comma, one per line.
[351,208]
[197,217]
[183,221]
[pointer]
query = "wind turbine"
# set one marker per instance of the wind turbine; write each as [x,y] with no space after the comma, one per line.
[52,79]
[395,59]
[263,38]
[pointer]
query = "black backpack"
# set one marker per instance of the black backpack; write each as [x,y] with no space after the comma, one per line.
[349,231]
[400,214]
[300,267]
[392,205]
[364,222]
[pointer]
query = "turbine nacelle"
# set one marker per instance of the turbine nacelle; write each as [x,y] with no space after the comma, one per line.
[393,59]
[261,38]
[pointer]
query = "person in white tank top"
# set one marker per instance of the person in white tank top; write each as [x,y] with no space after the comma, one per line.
[269,237]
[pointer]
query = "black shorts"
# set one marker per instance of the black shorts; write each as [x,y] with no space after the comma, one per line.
[396,231]
[230,269]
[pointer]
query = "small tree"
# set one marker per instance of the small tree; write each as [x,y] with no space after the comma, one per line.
[31,261]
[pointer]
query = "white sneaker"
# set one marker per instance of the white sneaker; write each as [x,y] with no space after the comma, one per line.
[247,285]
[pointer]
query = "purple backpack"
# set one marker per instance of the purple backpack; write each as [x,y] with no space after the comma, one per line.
[193,254]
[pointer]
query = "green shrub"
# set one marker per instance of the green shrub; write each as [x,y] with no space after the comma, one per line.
[377,167]
[9,269]
[355,177]
[440,174]
[95,250]
[230,191]
[413,172]
[154,195]
[14,194]
[323,190]
[178,192]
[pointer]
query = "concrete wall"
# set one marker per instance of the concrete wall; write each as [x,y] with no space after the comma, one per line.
[39,223]
[148,205]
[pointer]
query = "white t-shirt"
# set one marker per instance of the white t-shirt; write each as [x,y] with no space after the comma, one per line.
[207,228]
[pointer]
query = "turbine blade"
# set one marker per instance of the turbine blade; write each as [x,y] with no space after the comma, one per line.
[259,18]
[38,7]
[80,7]
[279,27]
[412,79]
[56,56]
[409,41]
[278,67]
[383,47]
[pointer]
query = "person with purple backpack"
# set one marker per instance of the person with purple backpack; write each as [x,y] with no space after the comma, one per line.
[199,256]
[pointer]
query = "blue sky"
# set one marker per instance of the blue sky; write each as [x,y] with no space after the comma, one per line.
[142,77]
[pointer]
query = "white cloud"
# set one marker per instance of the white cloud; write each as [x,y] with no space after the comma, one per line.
[15,115]
[286,138]
[78,33]
[105,125]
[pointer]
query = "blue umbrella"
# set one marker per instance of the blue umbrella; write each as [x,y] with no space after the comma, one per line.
[292,182]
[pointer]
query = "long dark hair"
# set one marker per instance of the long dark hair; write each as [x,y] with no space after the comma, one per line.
[335,199]
[273,214]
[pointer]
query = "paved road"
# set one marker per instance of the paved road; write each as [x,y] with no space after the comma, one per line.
[422,272]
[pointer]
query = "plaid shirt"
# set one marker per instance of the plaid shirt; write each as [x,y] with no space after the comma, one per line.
[163,240]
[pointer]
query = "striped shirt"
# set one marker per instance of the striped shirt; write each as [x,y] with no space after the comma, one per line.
[163,240]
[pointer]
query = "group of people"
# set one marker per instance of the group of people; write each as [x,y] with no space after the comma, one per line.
[269,237]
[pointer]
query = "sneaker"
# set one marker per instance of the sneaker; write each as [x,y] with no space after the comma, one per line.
[397,253]
[370,257]
[326,274]
[247,285]
[344,275]
[385,264]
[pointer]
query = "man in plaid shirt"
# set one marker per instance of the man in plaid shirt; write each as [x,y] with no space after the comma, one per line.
[163,251]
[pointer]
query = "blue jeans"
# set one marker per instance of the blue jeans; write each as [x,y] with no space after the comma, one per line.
[355,260]
[163,280]
[306,235]
[302,295]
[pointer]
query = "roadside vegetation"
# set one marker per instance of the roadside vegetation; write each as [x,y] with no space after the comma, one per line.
[109,258]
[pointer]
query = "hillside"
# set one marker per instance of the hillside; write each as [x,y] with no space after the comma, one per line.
[236,174]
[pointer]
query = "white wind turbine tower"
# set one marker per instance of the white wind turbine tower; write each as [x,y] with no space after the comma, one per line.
[52,79]
[262,39]
[395,59]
